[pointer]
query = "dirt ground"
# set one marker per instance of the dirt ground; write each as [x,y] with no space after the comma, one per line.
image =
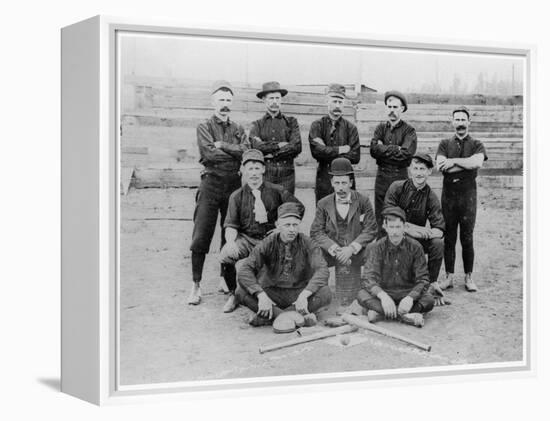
[163,339]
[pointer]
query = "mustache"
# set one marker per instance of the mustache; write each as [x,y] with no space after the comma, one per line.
[392,114]
[225,109]
[337,110]
[460,127]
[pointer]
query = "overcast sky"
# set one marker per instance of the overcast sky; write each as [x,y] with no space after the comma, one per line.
[255,62]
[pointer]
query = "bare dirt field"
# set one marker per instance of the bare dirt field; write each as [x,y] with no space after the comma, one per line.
[162,339]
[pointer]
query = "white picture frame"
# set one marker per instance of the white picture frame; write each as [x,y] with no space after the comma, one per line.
[90,213]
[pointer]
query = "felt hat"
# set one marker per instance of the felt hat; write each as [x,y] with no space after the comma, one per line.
[396,94]
[340,166]
[269,87]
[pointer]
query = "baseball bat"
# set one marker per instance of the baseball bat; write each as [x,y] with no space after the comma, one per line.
[303,339]
[364,324]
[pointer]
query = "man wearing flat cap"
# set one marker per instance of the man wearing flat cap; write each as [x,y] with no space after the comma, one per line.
[393,146]
[251,216]
[395,279]
[277,136]
[221,145]
[459,158]
[344,221]
[285,272]
[331,137]
[421,205]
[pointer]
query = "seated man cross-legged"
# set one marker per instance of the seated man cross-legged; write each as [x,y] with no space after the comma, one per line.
[395,279]
[286,271]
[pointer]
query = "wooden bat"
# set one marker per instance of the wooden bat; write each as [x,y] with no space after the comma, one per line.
[303,339]
[356,321]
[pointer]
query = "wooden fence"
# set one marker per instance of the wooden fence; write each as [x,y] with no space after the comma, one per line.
[159,120]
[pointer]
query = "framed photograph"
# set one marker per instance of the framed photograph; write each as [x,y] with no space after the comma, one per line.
[245,209]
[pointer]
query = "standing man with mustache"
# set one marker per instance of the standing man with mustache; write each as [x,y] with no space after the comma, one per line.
[459,158]
[251,216]
[393,146]
[277,136]
[330,137]
[421,204]
[221,145]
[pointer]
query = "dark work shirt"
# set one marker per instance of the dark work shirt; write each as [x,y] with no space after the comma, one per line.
[271,131]
[268,265]
[226,160]
[342,133]
[397,270]
[419,205]
[399,144]
[457,148]
[240,211]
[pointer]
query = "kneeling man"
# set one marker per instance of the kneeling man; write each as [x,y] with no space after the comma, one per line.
[286,271]
[396,279]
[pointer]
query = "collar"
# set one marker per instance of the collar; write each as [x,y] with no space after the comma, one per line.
[423,188]
[216,120]
[248,188]
[336,122]
[279,115]
[392,246]
[463,139]
[398,124]
[348,198]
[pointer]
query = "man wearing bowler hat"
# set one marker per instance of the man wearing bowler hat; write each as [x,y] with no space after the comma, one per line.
[277,136]
[393,146]
[421,204]
[331,137]
[459,158]
[396,279]
[286,271]
[221,145]
[344,220]
[251,216]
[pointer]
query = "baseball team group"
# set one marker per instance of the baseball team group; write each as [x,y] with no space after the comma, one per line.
[396,249]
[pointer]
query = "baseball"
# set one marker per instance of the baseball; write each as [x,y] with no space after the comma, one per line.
[344,339]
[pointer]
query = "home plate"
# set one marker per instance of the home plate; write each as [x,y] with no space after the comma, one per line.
[342,340]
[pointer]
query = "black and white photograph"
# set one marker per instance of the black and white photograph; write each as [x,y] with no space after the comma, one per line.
[292,209]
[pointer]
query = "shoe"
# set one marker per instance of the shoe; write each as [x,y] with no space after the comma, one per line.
[222,287]
[231,304]
[374,316]
[469,284]
[310,320]
[448,282]
[195,295]
[257,321]
[414,319]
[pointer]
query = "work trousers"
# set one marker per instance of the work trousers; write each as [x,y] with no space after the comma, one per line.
[211,199]
[285,297]
[423,305]
[245,245]
[385,176]
[282,173]
[459,206]
[434,249]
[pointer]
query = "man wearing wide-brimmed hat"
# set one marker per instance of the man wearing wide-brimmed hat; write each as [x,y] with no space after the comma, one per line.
[393,146]
[421,205]
[221,145]
[396,280]
[344,222]
[333,136]
[286,271]
[459,158]
[277,136]
[251,215]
